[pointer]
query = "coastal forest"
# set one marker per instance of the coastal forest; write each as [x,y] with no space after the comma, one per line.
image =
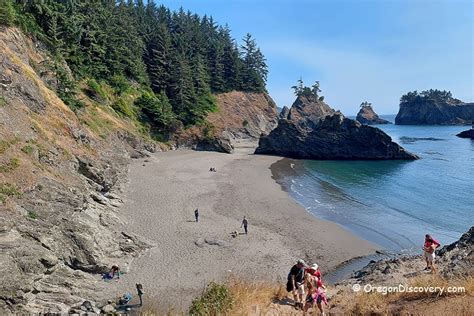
[171,62]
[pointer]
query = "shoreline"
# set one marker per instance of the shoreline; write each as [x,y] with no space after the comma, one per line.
[163,192]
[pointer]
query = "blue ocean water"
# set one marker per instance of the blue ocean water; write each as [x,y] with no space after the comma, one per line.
[395,203]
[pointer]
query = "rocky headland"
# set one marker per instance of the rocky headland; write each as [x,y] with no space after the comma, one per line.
[433,107]
[313,130]
[368,116]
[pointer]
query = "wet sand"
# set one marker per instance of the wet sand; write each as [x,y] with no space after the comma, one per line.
[161,197]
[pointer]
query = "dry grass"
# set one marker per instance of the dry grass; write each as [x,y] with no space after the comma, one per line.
[369,303]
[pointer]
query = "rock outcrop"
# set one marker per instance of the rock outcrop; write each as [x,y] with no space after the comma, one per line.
[467,134]
[314,130]
[284,113]
[368,116]
[240,116]
[430,111]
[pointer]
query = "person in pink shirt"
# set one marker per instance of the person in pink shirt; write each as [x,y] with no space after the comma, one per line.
[429,252]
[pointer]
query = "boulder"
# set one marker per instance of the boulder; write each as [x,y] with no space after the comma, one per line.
[314,130]
[368,116]
[467,134]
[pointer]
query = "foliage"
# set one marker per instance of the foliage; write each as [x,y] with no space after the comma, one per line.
[181,57]
[27,149]
[365,103]
[3,102]
[8,190]
[427,95]
[32,214]
[7,12]
[313,92]
[217,299]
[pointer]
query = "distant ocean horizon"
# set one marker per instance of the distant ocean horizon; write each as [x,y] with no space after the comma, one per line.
[395,203]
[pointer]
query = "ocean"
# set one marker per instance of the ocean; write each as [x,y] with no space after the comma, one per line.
[395,203]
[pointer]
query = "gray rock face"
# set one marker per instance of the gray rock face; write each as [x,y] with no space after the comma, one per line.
[368,116]
[433,112]
[315,131]
[284,113]
[467,134]
[222,145]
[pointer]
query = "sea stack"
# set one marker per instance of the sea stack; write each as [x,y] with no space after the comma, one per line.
[433,107]
[368,116]
[313,130]
[467,134]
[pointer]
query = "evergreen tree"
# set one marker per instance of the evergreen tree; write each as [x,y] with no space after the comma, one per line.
[7,12]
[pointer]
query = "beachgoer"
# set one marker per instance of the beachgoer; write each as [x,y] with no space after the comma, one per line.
[115,270]
[295,283]
[245,223]
[316,289]
[140,292]
[196,215]
[429,252]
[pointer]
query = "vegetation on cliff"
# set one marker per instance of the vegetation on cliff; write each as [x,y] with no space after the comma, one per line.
[173,61]
[428,95]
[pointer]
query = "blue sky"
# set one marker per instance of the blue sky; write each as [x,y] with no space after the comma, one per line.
[358,50]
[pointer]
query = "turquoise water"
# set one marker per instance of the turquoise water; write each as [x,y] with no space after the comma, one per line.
[395,203]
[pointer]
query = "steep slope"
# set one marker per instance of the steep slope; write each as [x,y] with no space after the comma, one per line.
[368,116]
[59,186]
[314,130]
[240,116]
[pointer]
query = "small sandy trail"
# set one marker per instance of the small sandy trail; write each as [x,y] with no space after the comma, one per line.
[162,196]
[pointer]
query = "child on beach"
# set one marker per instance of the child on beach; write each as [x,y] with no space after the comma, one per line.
[429,252]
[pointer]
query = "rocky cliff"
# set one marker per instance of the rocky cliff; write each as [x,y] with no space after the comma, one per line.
[424,111]
[314,130]
[61,175]
[240,116]
[368,116]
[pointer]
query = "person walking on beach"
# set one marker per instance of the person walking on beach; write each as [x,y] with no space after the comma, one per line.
[295,283]
[429,252]
[245,224]
[196,215]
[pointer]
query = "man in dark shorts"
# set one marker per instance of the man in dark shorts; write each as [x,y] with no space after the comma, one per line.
[245,224]
[196,215]
[295,283]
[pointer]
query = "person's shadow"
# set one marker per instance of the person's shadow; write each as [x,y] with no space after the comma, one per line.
[127,307]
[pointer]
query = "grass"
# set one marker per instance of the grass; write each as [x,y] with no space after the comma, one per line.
[5,144]
[369,303]
[32,215]
[11,165]
[27,149]
[216,299]
[8,190]
[3,102]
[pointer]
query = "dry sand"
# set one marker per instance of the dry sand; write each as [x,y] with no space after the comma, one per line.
[162,196]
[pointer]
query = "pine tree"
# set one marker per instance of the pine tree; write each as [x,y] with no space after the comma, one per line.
[7,12]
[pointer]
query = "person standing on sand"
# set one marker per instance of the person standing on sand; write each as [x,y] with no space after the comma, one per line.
[196,215]
[295,283]
[245,224]
[429,252]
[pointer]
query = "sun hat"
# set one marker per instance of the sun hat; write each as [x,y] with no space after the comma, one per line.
[314,267]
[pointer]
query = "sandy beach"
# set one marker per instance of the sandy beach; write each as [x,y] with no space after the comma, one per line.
[161,197]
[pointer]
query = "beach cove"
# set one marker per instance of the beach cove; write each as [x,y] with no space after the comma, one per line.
[162,194]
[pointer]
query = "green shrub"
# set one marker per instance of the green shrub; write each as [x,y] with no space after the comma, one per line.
[97,89]
[27,149]
[7,12]
[123,107]
[245,123]
[120,84]
[32,214]
[156,109]
[8,190]
[216,299]
[3,102]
